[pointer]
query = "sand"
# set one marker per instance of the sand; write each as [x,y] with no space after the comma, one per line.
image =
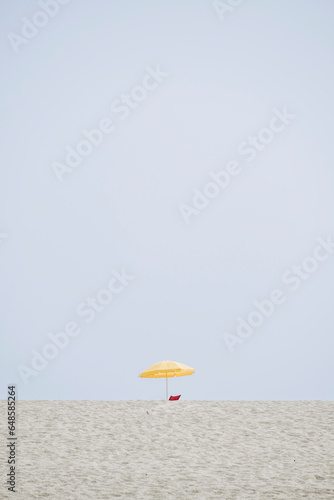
[155,450]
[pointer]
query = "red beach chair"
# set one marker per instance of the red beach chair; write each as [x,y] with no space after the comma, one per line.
[174,398]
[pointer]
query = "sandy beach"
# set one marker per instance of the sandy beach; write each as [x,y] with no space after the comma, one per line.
[184,449]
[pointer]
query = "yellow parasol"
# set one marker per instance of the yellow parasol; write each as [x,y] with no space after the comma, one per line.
[166,369]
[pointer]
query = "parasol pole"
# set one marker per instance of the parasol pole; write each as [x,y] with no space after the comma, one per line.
[166,387]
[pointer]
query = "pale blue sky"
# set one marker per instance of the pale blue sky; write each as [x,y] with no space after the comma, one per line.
[120,207]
